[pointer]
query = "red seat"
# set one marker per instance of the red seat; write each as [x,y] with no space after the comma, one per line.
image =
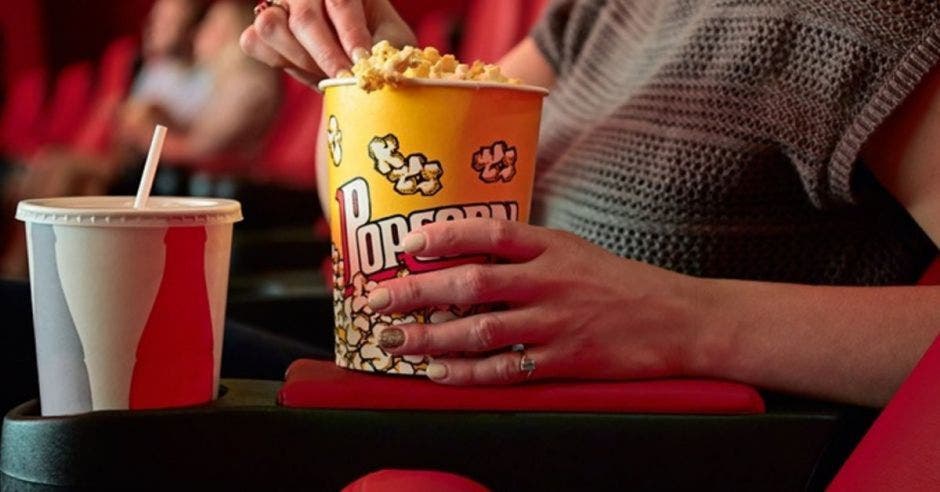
[901,451]
[492,28]
[932,275]
[289,151]
[68,107]
[413,480]
[533,12]
[434,29]
[23,42]
[115,73]
[19,123]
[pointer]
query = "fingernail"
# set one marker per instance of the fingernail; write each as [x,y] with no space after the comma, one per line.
[390,338]
[359,53]
[379,298]
[343,73]
[436,371]
[414,242]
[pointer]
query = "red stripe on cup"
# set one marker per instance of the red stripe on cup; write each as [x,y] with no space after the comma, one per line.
[174,356]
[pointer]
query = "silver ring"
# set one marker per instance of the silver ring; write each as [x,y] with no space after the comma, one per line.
[526,365]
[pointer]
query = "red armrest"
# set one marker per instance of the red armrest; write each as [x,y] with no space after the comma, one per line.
[321,384]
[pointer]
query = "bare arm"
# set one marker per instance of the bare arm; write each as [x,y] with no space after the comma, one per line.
[584,320]
[526,62]
[854,344]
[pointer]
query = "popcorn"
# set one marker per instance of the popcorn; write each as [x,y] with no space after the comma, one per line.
[412,174]
[334,138]
[388,65]
[357,326]
[495,163]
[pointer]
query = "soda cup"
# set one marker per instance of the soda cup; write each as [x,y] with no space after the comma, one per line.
[402,157]
[128,304]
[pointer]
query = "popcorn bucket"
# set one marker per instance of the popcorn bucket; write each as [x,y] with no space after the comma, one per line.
[399,158]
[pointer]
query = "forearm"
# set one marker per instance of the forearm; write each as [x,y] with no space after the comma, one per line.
[854,344]
[526,62]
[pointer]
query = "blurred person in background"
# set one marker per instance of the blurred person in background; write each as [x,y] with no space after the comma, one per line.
[225,133]
[216,102]
[167,81]
[169,85]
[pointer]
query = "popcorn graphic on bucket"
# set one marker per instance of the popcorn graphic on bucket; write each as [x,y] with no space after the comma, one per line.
[412,155]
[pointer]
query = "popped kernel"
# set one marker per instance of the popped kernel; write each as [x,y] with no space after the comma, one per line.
[387,65]
[412,174]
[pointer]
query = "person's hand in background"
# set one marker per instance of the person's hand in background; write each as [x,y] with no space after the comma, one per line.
[315,39]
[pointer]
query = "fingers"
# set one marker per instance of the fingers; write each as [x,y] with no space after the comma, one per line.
[309,24]
[271,25]
[478,333]
[499,369]
[255,47]
[317,37]
[505,239]
[349,22]
[466,284]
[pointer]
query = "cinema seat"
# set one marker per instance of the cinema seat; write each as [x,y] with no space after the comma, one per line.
[901,451]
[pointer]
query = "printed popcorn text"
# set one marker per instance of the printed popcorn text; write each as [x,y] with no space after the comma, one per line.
[373,247]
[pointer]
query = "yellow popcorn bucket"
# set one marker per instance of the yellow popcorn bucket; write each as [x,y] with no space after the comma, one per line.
[401,157]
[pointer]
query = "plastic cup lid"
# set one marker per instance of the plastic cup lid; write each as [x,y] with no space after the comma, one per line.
[119,211]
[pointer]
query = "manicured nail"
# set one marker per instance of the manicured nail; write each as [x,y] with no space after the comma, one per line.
[436,371]
[390,338]
[359,53]
[414,243]
[379,298]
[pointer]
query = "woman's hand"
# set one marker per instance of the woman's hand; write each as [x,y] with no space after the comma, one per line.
[580,311]
[314,39]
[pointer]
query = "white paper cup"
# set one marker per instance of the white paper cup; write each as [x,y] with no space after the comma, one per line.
[128,304]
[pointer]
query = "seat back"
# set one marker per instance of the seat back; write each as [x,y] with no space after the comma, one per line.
[901,451]
[533,13]
[22,113]
[435,29]
[491,29]
[932,274]
[71,98]
[289,151]
[116,68]
[115,72]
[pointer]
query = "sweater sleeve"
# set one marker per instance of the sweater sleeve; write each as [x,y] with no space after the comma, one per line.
[903,46]
[549,31]
[900,81]
[562,29]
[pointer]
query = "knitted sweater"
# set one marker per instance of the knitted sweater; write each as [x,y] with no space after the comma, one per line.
[721,138]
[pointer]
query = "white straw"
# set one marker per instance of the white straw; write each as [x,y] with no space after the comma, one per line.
[150,168]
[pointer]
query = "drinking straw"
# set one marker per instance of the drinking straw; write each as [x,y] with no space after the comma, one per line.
[150,168]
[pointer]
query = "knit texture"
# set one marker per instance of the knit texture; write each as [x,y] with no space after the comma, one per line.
[721,138]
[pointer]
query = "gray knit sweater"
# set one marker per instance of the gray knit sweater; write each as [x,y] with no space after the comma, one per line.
[721,138]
